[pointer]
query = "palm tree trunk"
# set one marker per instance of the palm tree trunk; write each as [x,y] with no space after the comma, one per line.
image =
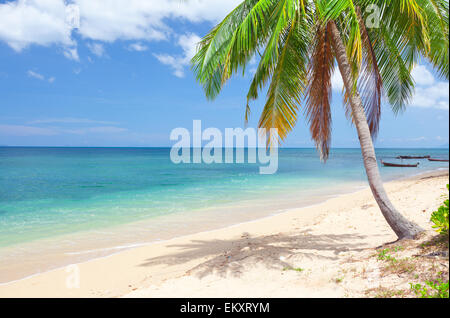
[399,224]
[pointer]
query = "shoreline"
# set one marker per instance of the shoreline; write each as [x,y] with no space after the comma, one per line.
[240,216]
[121,248]
[162,247]
[107,251]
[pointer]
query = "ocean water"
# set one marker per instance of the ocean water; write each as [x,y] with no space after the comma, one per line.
[52,192]
[60,206]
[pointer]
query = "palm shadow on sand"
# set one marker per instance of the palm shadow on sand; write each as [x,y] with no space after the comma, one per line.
[231,257]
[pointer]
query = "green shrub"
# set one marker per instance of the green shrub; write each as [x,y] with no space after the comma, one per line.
[431,289]
[440,218]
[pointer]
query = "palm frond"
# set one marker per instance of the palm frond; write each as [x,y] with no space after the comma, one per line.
[381,59]
[395,68]
[407,15]
[270,56]
[437,12]
[230,44]
[319,90]
[287,82]
[370,83]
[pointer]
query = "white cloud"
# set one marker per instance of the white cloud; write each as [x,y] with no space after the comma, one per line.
[188,44]
[434,95]
[40,76]
[422,76]
[336,81]
[19,130]
[95,130]
[78,126]
[110,20]
[70,120]
[418,139]
[96,48]
[177,64]
[254,60]
[71,54]
[429,92]
[22,130]
[45,22]
[36,75]
[40,22]
[139,47]
[253,66]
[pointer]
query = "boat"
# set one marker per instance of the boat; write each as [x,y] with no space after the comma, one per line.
[413,157]
[388,164]
[440,160]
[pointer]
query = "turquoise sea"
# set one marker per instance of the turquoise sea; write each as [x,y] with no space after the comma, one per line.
[53,193]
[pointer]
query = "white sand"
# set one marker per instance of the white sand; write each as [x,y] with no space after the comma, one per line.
[250,259]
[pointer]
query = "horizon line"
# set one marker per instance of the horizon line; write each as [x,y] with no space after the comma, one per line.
[168,147]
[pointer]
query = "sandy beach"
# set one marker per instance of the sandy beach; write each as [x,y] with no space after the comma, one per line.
[323,250]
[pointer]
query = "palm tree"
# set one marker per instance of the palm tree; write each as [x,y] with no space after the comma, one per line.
[299,42]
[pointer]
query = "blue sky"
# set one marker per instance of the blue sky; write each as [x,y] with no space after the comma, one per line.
[121,78]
